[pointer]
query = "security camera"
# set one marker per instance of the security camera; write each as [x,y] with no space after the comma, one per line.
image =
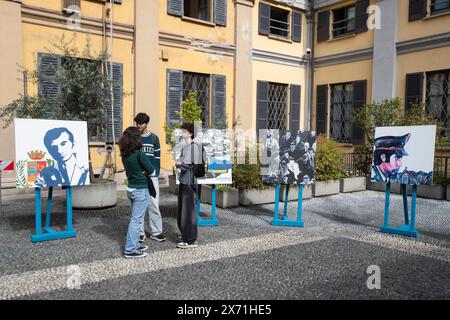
[308,51]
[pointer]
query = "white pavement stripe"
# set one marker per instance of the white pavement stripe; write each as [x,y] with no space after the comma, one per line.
[45,280]
[402,244]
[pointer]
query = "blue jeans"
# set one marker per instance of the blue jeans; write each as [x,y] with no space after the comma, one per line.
[139,202]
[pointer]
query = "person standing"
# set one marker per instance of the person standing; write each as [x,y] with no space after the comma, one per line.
[135,163]
[152,149]
[192,153]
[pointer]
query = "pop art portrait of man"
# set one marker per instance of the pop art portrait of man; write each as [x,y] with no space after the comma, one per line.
[67,170]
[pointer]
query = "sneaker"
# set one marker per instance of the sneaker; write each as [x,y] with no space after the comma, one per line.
[160,237]
[142,237]
[185,245]
[143,248]
[135,255]
[179,239]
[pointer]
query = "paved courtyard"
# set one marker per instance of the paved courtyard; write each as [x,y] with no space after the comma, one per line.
[244,258]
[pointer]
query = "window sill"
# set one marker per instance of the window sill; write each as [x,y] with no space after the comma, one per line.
[96,144]
[345,36]
[280,38]
[198,21]
[346,144]
[437,15]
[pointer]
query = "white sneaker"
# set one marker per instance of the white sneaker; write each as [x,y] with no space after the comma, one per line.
[185,245]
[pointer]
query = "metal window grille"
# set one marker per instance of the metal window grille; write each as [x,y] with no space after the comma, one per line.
[277,111]
[279,22]
[199,83]
[341,112]
[438,98]
[346,22]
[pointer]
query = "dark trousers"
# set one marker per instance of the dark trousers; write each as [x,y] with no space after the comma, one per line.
[186,214]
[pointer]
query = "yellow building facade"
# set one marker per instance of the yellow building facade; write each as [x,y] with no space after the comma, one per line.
[254,63]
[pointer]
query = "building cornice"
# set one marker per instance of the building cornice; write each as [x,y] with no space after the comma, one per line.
[346,57]
[56,19]
[424,43]
[278,58]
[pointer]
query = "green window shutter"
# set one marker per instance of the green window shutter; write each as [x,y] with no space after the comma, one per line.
[296,26]
[48,65]
[359,102]
[264,19]
[361,15]
[220,12]
[175,7]
[414,89]
[295,107]
[417,9]
[323,26]
[322,109]
[174,95]
[219,110]
[117,78]
[262,105]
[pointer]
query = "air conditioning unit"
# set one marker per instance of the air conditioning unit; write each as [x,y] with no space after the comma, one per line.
[71,6]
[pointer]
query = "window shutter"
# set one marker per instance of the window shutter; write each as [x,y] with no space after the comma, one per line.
[359,101]
[48,67]
[296,26]
[262,106]
[264,19]
[220,12]
[174,95]
[219,110]
[295,100]
[323,26]
[117,77]
[361,15]
[414,89]
[417,9]
[322,109]
[175,7]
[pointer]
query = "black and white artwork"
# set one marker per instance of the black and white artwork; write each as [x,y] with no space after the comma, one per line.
[291,157]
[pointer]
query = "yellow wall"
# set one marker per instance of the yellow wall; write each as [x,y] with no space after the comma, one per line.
[347,72]
[264,71]
[420,28]
[351,42]
[123,13]
[192,61]
[287,47]
[423,61]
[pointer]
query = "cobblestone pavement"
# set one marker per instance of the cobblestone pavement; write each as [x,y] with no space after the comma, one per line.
[244,258]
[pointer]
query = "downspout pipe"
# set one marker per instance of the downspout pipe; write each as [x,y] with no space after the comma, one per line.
[310,21]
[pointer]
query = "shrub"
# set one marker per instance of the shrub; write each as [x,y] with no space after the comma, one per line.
[248,176]
[329,160]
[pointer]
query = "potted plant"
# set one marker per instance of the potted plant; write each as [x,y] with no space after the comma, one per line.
[328,167]
[84,94]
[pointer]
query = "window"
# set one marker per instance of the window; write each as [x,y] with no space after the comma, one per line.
[279,22]
[277,106]
[438,97]
[199,83]
[341,112]
[438,6]
[197,9]
[343,21]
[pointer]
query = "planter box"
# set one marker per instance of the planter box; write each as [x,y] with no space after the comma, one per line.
[254,197]
[448,192]
[173,187]
[224,199]
[353,184]
[325,188]
[432,192]
[381,186]
[293,192]
[95,196]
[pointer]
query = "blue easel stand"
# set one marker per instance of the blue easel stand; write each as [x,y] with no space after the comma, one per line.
[47,233]
[285,221]
[409,228]
[213,221]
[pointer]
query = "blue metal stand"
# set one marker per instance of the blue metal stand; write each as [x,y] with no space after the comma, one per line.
[409,228]
[285,221]
[213,221]
[47,233]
